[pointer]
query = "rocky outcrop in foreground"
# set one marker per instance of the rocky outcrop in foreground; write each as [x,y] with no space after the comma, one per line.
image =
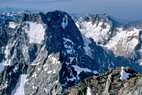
[120,81]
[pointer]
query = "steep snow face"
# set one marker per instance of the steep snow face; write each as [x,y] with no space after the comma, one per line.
[122,35]
[20,86]
[35,32]
[124,42]
[121,41]
[124,75]
[86,46]
[99,32]
[88,91]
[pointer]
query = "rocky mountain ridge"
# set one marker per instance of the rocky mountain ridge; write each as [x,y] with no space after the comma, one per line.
[44,54]
[121,42]
[119,81]
[52,50]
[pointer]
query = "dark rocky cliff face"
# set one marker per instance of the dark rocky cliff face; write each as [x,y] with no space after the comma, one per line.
[44,54]
[113,82]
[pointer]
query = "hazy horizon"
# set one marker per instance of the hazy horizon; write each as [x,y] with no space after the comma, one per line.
[125,10]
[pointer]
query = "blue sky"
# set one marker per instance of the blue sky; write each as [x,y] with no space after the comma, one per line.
[122,9]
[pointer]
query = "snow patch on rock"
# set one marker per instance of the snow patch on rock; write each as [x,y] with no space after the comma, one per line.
[71,79]
[53,59]
[68,44]
[124,75]
[88,91]
[65,22]
[20,86]
[49,72]
[35,32]
[12,25]
[2,66]
[79,69]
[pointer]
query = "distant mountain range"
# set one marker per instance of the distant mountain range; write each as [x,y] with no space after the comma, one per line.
[45,54]
[17,10]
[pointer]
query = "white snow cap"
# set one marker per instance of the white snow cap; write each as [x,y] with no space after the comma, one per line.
[124,75]
[88,91]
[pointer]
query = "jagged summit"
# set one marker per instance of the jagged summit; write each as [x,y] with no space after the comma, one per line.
[98,27]
[121,42]
[46,53]
[96,18]
[51,47]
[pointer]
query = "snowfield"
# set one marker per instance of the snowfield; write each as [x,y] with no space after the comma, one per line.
[35,32]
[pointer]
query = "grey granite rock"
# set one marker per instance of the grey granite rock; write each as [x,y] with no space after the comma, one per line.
[109,83]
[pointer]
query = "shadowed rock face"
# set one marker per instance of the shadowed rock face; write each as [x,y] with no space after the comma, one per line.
[110,83]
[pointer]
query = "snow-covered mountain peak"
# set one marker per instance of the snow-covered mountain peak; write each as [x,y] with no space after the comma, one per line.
[35,42]
[117,39]
[124,42]
[97,27]
[50,52]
